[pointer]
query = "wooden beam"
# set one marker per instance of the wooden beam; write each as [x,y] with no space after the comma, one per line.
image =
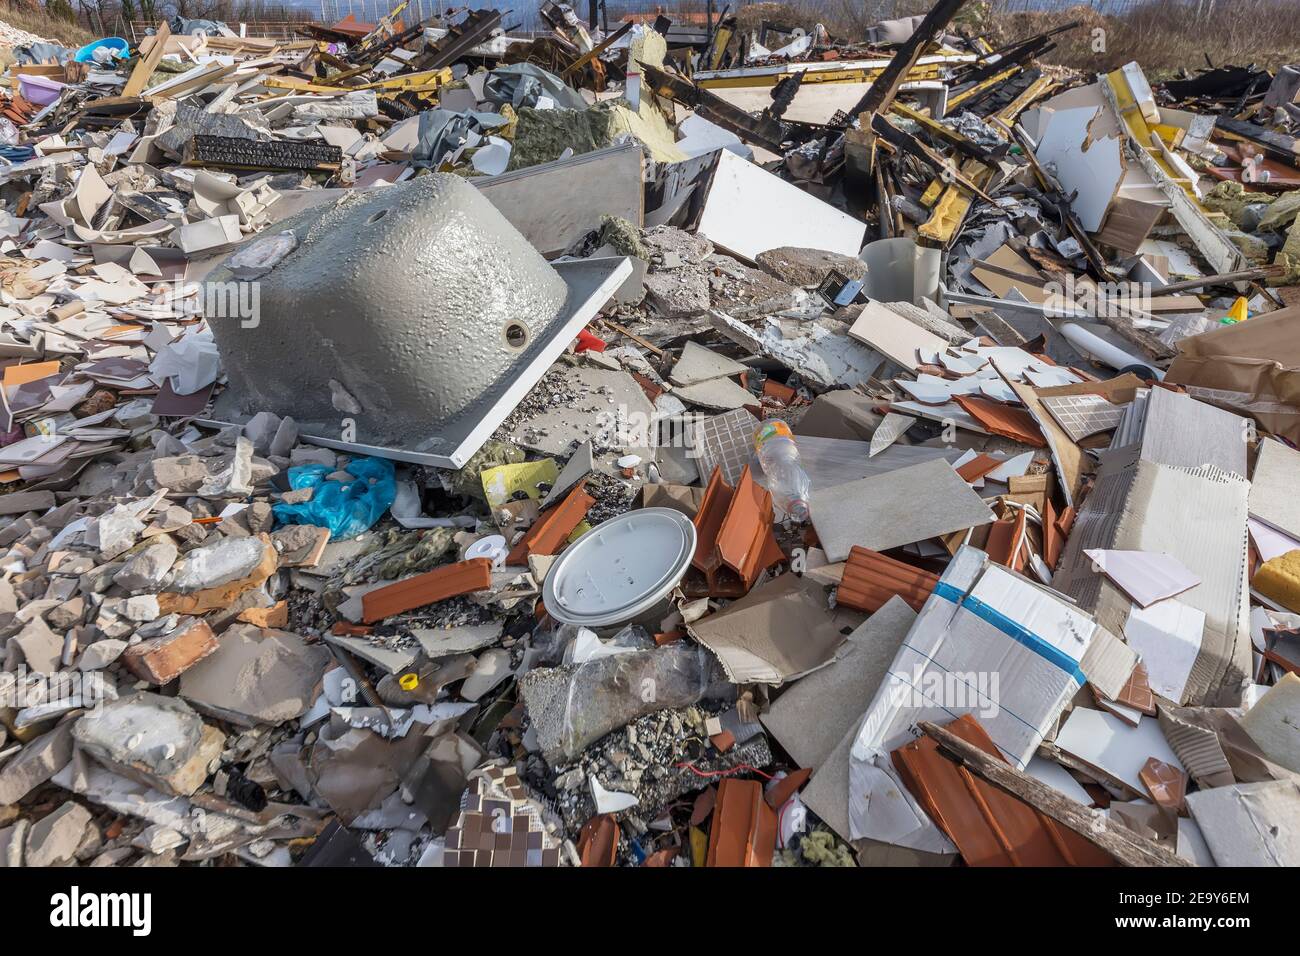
[143,70]
[859,149]
[1127,847]
[597,50]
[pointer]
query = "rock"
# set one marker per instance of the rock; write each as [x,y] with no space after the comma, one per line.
[260,517]
[141,608]
[261,430]
[159,741]
[300,545]
[37,647]
[100,654]
[36,763]
[53,840]
[307,455]
[158,839]
[257,676]
[808,267]
[297,496]
[183,473]
[216,564]
[236,478]
[148,568]
[286,436]
[161,660]
[218,567]
[67,614]
[117,531]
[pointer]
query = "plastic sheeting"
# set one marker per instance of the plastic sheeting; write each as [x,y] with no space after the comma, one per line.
[522,84]
[575,705]
[345,508]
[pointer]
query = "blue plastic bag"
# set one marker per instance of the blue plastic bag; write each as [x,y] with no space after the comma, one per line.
[347,509]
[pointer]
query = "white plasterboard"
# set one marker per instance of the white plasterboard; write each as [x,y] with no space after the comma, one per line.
[1087,163]
[1104,741]
[749,210]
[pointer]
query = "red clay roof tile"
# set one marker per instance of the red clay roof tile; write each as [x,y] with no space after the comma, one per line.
[553,527]
[743,831]
[871,579]
[989,826]
[1005,420]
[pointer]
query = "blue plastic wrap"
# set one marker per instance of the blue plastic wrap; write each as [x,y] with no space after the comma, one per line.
[347,509]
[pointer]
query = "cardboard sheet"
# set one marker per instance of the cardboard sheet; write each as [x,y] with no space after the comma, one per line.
[776,632]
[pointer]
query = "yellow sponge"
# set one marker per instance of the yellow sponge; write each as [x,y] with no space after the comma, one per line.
[1279,580]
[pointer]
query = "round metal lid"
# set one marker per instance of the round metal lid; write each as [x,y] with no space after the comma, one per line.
[621,568]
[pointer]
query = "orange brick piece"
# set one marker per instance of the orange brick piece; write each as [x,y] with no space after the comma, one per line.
[552,529]
[450,580]
[161,660]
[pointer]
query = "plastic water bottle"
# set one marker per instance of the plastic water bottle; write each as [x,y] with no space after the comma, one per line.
[785,477]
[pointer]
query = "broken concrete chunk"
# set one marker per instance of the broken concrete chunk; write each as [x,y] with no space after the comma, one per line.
[257,676]
[158,741]
[808,267]
[54,839]
[147,568]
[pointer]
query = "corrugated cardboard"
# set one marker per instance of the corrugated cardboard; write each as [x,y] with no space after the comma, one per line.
[1252,368]
[1197,515]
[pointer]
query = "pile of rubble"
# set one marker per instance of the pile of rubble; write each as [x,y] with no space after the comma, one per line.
[424,445]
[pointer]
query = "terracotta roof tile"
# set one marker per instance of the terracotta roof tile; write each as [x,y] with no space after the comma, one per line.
[989,826]
[978,467]
[598,841]
[734,540]
[553,527]
[1005,420]
[743,831]
[785,788]
[450,580]
[871,579]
